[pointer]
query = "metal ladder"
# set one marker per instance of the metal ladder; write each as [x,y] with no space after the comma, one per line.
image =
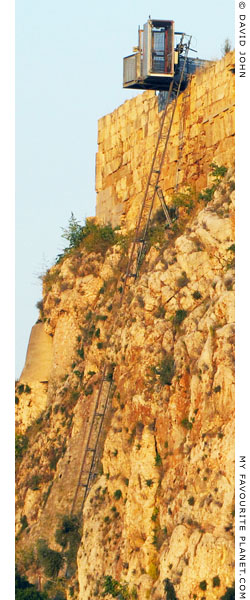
[90,456]
[163,204]
[152,186]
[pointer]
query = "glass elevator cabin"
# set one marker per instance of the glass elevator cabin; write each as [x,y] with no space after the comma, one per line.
[157,59]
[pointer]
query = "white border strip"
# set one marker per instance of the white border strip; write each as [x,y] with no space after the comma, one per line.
[7,183]
[242,468]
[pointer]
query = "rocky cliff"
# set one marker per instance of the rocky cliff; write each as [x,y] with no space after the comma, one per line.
[158,521]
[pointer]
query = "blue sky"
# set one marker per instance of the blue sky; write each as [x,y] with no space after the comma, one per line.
[68,75]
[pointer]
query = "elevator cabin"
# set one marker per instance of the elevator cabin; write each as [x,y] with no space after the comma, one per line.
[156,60]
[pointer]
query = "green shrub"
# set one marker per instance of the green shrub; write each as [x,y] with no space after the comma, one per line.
[21,444]
[117,494]
[156,234]
[24,523]
[98,238]
[208,194]
[50,277]
[78,373]
[39,305]
[99,345]
[203,585]
[185,199]
[73,398]
[73,234]
[227,47]
[216,581]
[191,501]
[109,376]
[93,237]
[25,590]
[54,455]
[229,594]
[166,370]
[155,513]
[179,316]
[68,530]
[218,172]
[186,423]
[197,295]
[88,390]
[68,535]
[114,588]
[34,482]
[149,482]
[169,589]
[158,460]
[217,389]
[51,561]
[16,400]
[80,352]
[90,332]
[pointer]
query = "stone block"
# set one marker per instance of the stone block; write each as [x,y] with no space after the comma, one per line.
[229,122]
[208,133]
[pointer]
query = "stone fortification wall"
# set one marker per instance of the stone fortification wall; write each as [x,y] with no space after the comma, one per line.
[203,123]
[39,354]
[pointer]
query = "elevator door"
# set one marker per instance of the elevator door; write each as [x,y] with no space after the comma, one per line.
[161,51]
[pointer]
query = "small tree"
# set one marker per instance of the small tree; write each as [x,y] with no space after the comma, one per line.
[73,234]
[25,590]
[68,535]
[226,47]
[51,561]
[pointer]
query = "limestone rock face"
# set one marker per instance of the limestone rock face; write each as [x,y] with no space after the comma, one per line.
[160,510]
[169,448]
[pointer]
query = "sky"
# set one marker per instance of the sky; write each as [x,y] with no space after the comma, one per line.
[68,60]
